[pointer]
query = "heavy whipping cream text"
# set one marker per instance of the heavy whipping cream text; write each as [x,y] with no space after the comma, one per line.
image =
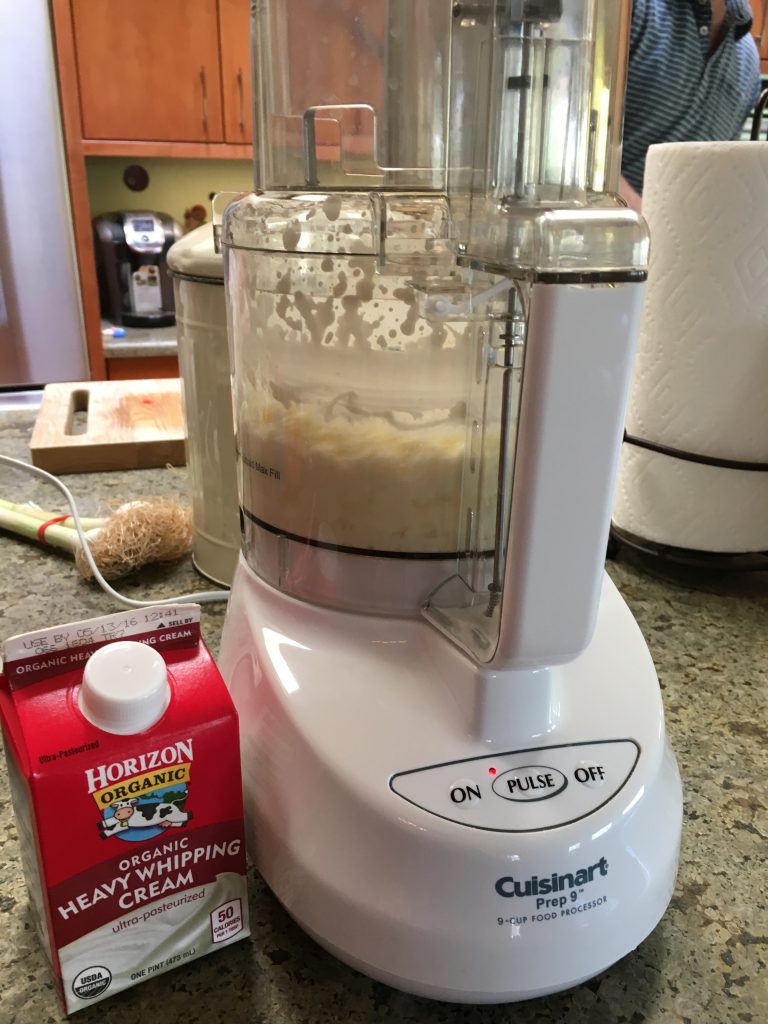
[145,881]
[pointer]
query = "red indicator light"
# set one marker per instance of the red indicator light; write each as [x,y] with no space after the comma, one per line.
[491,771]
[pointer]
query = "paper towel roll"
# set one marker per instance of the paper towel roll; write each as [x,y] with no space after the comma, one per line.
[701,375]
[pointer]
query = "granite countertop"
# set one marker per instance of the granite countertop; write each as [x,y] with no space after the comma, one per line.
[704,964]
[142,341]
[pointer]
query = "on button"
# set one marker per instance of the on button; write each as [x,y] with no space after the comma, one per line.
[464,792]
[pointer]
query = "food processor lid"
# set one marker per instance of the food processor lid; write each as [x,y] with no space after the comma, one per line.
[194,255]
[307,222]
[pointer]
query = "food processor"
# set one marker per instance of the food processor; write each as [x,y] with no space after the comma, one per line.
[457,778]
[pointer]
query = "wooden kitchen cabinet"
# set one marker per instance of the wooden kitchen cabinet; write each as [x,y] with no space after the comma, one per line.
[148,70]
[143,368]
[146,78]
[760,30]
[235,36]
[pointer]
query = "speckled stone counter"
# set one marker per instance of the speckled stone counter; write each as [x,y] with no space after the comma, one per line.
[142,341]
[704,964]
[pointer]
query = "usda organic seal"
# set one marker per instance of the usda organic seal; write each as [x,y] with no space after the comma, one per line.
[92,982]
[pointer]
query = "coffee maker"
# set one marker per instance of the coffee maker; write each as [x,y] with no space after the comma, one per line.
[130,246]
[456,773]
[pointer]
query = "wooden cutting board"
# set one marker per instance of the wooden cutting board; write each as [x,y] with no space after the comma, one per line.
[102,425]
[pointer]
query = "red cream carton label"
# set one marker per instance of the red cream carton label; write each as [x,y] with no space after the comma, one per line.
[132,845]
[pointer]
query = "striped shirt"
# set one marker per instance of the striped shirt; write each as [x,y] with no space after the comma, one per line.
[675,92]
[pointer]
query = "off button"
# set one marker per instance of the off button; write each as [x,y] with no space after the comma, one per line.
[590,774]
[531,782]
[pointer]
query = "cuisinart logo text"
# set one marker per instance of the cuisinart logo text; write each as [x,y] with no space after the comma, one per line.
[536,886]
[147,771]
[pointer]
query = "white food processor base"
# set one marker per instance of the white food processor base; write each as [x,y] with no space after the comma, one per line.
[461,834]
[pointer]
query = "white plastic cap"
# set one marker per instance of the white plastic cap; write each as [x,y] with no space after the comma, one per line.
[125,688]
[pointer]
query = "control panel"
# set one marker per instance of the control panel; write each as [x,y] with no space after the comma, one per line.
[522,790]
[144,233]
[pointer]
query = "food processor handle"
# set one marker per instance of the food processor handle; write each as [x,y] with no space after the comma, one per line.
[576,375]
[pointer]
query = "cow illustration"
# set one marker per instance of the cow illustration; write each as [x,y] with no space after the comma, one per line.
[162,815]
[123,812]
[133,814]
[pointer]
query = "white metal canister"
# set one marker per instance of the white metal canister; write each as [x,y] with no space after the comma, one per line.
[198,275]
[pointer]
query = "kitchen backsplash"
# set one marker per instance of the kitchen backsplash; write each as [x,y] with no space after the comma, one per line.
[175,186]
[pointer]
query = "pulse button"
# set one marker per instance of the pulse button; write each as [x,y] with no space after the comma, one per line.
[531,782]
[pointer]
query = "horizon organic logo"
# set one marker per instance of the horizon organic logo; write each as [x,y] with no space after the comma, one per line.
[157,776]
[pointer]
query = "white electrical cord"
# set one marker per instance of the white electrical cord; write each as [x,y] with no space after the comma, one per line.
[204,596]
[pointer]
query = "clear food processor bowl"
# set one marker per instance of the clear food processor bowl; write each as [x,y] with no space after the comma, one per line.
[351,398]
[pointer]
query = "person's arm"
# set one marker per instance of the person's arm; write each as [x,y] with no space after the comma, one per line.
[718,31]
[632,198]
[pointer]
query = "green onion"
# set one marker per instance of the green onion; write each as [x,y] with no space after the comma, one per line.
[43,516]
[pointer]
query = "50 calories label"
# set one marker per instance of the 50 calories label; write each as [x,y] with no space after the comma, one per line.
[227,921]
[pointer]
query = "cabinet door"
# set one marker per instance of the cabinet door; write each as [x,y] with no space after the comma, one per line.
[148,70]
[759,11]
[235,29]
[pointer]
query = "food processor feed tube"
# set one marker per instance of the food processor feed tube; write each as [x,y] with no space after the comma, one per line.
[455,762]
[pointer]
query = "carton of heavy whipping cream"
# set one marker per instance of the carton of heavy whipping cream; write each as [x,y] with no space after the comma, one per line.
[122,748]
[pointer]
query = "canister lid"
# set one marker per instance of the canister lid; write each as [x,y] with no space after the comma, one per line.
[194,255]
[125,688]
